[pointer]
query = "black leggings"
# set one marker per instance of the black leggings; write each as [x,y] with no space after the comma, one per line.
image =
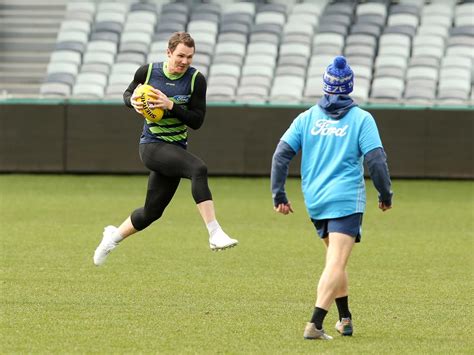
[168,164]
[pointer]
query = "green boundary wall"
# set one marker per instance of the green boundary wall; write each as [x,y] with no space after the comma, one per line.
[67,136]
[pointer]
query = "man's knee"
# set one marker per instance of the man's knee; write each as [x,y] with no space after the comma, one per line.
[143,217]
[153,214]
[199,170]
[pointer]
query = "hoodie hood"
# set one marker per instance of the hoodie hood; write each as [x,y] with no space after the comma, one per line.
[336,106]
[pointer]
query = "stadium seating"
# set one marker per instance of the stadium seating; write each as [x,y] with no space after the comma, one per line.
[28,32]
[262,51]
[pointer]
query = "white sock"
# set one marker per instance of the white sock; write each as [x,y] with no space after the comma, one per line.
[117,237]
[213,227]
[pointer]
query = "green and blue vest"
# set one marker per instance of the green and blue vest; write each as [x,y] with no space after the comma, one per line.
[178,88]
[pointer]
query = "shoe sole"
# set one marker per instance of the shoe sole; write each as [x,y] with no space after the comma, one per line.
[214,248]
[313,338]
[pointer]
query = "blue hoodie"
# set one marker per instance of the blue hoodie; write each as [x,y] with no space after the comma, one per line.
[336,107]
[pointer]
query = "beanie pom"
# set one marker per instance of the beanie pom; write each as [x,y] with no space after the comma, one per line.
[340,62]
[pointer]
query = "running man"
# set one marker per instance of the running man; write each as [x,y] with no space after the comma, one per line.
[180,90]
[335,137]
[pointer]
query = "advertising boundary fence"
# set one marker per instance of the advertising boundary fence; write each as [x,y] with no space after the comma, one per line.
[236,140]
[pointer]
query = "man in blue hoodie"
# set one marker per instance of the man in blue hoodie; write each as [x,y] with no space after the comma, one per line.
[335,137]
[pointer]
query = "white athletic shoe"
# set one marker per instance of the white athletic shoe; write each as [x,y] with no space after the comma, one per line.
[220,241]
[312,333]
[105,246]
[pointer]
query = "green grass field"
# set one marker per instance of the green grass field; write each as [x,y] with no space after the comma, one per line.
[164,291]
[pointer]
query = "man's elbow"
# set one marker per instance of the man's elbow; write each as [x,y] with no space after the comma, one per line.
[196,125]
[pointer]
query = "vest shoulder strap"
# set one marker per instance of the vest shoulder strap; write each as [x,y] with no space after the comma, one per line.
[193,79]
[148,74]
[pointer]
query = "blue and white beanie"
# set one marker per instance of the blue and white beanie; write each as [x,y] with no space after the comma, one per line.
[338,78]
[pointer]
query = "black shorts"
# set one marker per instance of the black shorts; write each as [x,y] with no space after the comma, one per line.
[350,225]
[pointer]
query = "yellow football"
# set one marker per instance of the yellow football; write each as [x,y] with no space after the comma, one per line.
[151,114]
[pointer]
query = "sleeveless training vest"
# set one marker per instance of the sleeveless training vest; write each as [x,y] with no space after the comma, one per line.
[178,89]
